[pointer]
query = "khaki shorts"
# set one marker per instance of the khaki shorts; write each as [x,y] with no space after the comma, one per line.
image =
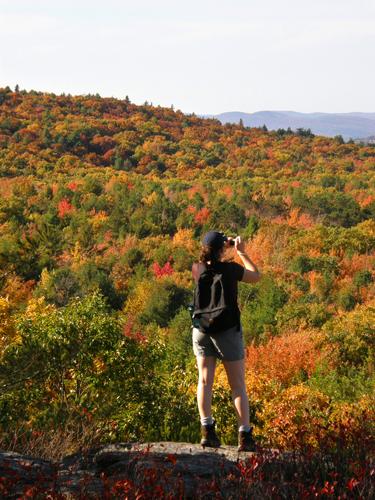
[227,345]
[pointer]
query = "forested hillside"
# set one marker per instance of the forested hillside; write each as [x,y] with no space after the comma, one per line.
[102,207]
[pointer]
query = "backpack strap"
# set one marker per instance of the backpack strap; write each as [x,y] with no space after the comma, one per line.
[197,270]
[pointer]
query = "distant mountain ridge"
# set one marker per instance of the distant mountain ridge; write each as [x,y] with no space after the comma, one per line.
[366,140]
[354,125]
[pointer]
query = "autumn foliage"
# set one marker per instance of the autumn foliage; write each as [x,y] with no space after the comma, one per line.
[103,204]
[287,358]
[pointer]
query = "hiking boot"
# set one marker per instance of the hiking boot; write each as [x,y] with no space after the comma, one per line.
[246,441]
[209,437]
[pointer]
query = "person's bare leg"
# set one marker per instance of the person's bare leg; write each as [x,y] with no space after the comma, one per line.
[206,369]
[236,377]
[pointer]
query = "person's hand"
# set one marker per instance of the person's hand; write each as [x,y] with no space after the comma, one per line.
[239,244]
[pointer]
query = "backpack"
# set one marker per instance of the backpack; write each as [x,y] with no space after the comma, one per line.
[211,313]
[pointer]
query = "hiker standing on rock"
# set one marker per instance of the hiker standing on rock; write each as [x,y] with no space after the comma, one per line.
[217,332]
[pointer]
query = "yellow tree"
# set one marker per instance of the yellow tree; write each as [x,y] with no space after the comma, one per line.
[7,326]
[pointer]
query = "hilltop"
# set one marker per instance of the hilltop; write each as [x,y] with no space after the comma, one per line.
[44,132]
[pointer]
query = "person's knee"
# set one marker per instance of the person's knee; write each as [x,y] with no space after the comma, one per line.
[238,390]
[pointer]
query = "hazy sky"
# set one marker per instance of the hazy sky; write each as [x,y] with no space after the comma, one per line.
[206,56]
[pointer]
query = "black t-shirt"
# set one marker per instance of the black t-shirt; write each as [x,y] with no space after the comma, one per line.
[232,274]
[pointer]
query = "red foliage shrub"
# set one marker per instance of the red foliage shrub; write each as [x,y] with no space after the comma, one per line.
[64,208]
[202,216]
[130,332]
[295,184]
[73,186]
[160,271]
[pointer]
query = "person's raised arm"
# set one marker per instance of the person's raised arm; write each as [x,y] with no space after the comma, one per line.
[251,274]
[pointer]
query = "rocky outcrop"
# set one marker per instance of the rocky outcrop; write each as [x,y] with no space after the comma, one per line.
[155,470]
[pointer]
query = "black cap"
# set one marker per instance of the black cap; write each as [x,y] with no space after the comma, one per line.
[214,239]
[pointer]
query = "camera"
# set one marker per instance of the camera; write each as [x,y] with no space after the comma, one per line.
[230,242]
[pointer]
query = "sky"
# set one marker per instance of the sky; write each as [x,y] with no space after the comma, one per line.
[201,56]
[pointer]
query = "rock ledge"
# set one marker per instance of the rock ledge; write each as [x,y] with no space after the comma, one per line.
[174,470]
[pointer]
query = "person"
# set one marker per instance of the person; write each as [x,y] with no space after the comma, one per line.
[226,345]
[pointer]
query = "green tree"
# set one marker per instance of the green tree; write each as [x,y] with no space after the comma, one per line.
[77,358]
[259,306]
[164,301]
